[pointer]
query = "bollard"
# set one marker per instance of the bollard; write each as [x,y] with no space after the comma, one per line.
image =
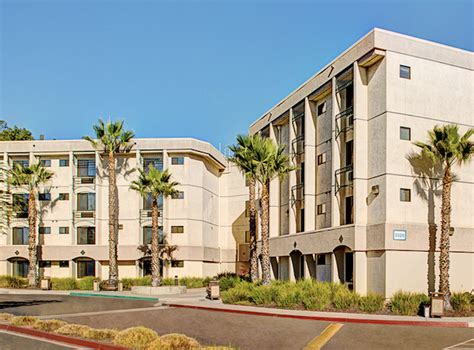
[176,281]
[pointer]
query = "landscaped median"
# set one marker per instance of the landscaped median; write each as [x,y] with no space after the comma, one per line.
[139,338]
[323,296]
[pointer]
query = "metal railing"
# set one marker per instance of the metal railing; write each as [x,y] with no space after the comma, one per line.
[83,215]
[344,121]
[344,177]
[297,145]
[80,181]
[297,193]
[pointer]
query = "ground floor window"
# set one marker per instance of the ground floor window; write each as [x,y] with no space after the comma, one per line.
[86,235]
[146,267]
[177,263]
[147,234]
[20,267]
[85,268]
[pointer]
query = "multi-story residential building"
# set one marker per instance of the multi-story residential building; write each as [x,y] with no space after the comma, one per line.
[202,219]
[357,209]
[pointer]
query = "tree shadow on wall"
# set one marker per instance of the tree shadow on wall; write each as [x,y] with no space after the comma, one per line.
[428,186]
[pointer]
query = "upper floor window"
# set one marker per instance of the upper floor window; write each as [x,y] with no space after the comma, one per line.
[405,72]
[148,202]
[177,229]
[21,162]
[20,235]
[20,203]
[45,163]
[405,133]
[321,209]
[405,195]
[63,196]
[43,230]
[86,201]
[64,162]
[178,195]
[322,108]
[157,163]
[86,167]
[86,235]
[64,230]
[46,196]
[147,235]
[177,160]
[322,158]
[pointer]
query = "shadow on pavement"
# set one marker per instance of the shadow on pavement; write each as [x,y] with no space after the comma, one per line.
[11,304]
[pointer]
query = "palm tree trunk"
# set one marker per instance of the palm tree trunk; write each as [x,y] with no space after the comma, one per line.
[253,231]
[444,241]
[155,249]
[113,222]
[265,235]
[32,249]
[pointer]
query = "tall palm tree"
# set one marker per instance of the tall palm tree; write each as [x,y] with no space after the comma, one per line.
[166,254]
[271,161]
[112,139]
[243,157]
[447,147]
[154,183]
[30,178]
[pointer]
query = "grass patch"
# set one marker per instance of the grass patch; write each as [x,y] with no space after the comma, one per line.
[48,325]
[462,302]
[23,320]
[6,316]
[100,334]
[13,282]
[128,283]
[175,341]
[136,338]
[75,330]
[407,303]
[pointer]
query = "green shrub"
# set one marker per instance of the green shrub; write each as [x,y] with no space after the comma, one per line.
[100,334]
[136,338]
[13,282]
[75,330]
[407,303]
[48,325]
[262,295]
[175,341]
[371,303]
[344,299]
[228,282]
[194,282]
[63,283]
[5,316]
[23,320]
[241,293]
[287,295]
[86,283]
[128,283]
[462,302]
[316,296]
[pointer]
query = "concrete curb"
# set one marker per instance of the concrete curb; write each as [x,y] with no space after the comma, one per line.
[452,324]
[99,295]
[61,338]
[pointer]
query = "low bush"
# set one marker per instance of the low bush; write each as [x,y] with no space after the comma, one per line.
[13,282]
[136,338]
[262,295]
[100,334]
[23,320]
[344,299]
[228,282]
[176,341]
[287,295]
[86,283]
[462,302]
[5,316]
[316,296]
[241,293]
[75,330]
[407,303]
[67,283]
[128,283]
[371,303]
[48,325]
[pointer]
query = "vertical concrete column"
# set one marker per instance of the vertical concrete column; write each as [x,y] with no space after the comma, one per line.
[32,158]
[101,221]
[274,194]
[360,272]
[291,270]
[72,229]
[138,200]
[360,146]
[335,159]
[165,219]
[291,178]
[309,167]
[334,273]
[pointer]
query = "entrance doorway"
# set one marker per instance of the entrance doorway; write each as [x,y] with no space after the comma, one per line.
[345,265]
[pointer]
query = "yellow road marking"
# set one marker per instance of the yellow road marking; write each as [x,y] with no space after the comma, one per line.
[326,335]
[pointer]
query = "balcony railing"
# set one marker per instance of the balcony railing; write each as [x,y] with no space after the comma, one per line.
[145,215]
[344,84]
[344,177]
[81,181]
[344,121]
[83,215]
[297,193]
[297,145]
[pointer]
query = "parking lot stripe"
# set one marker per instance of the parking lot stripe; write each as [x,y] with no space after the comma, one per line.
[326,335]
[103,312]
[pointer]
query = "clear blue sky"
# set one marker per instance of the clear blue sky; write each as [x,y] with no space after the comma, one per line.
[205,69]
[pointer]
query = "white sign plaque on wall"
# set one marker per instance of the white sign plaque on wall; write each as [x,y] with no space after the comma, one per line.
[399,235]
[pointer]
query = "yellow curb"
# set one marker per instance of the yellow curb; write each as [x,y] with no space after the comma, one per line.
[326,335]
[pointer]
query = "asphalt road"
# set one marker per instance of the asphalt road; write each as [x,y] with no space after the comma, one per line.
[242,331]
[10,341]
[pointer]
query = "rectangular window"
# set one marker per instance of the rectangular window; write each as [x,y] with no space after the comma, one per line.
[44,196]
[86,167]
[178,195]
[20,205]
[64,263]
[322,108]
[64,230]
[405,133]
[85,268]
[321,259]
[405,195]
[148,201]
[321,209]
[63,196]
[64,163]
[322,158]
[405,72]
[177,229]
[43,230]
[157,163]
[86,235]
[86,202]
[20,235]
[177,263]
[45,163]
[44,263]
[21,162]
[177,160]
[147,235]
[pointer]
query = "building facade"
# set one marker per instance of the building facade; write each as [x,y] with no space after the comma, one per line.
[202,220]
[361,208]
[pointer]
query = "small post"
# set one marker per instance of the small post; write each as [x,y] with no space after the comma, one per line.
[176,281]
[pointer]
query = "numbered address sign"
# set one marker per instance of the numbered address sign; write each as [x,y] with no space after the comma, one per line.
[399,235]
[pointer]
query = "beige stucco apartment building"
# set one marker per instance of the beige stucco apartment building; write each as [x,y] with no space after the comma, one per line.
[358,209]
[202,220]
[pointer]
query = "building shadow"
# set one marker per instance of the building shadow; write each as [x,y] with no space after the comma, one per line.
[428,186]
[12,304]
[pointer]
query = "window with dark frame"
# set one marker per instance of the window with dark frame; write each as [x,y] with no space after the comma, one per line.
[321,209]
[46,196]
[86,167]
[177,229]
[63,163]
[46,163]
[86,201]
[21,162]
[86,235]
[20,235]
[405,72]
[147,235]
[177,263]
[405,195]
[322,108]
[63,263]
[44,230]
[44,263]
[178,195]
[177,160]
[321,259]
[64,230]
[63,197]
[405,133]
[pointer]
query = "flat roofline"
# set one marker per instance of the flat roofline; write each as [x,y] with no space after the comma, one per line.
[373,32]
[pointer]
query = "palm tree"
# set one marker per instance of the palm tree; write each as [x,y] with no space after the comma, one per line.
[154,183]
[166,254]
[271,161]
[447,147]
[243,157]
[112,139]
[30,178]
